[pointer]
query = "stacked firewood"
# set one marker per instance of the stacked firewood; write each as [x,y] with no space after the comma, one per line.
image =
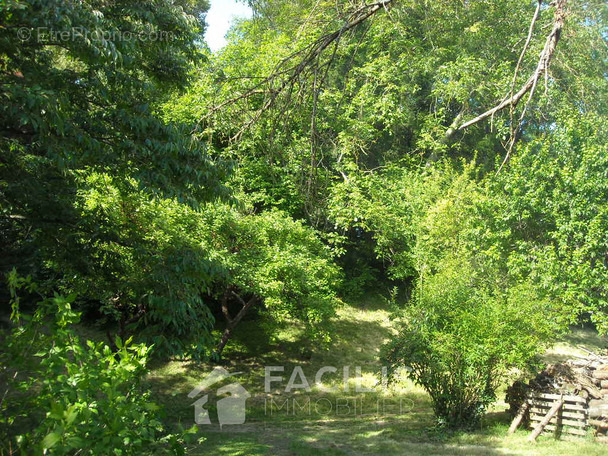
[570,397]
[596,370]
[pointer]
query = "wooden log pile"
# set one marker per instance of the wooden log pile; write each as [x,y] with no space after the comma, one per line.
[566,398]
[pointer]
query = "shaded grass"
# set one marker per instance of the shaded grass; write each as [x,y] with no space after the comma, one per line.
[362,330]
[399,436]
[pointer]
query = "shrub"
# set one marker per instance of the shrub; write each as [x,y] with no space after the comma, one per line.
[461,335]
[71,397]
[276,264]
[473,318]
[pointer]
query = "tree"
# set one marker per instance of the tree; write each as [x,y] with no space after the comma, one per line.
[320,87]
[276,264]
[97,189]
[553,203]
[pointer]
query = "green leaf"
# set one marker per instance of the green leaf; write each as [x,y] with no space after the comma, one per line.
[50,440]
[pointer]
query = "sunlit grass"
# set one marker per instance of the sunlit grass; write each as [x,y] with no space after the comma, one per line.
[393,430]
[577,344]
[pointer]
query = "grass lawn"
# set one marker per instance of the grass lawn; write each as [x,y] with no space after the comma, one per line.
[397,421]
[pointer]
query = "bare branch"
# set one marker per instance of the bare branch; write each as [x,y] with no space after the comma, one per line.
[526,45]
[291,69]
[542,67]
[231,324]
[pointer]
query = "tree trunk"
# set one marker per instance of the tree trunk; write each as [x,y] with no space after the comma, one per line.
[232,322]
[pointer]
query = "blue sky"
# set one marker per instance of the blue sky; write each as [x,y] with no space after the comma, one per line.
[219,18]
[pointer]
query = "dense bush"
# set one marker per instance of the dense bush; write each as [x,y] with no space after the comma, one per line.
[146,268]
[69,396]
[554,204]
[275,263]
[473,316]
[461,335]
[97,193]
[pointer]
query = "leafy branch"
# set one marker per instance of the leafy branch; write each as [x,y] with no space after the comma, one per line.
[542,68]
[299,65]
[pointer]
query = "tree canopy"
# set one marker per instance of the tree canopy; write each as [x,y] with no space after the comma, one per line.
[450,154]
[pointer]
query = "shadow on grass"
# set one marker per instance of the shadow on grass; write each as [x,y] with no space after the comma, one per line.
[361,332]
[586,337]
[401,435]
[294,431]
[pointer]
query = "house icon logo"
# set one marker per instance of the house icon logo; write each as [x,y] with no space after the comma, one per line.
[230,409]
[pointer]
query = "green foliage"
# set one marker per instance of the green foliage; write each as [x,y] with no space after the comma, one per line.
[473,317]
[395,206]
[159,275]
[144,263]
[116,179]
[462,334]
[85,101]
[97,191]
[388,90]
[68,396]
[279,261]
[554,198]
